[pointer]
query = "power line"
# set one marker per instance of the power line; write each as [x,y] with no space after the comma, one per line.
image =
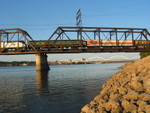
[130,13]
[26,25]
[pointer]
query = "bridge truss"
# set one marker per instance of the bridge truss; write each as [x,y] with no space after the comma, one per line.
[15,41]
[139,36]
[100,33]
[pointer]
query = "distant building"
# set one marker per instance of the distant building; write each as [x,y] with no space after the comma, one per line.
[24,64]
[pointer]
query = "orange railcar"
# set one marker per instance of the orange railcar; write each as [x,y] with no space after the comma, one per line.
[109,43]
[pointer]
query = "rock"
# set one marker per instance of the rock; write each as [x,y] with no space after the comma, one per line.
[147,109]
[126,65]
[131,96]
[126,91]
[137,86]
[112,106]
[128,107]
[85,109]
[144,97]
[114,97]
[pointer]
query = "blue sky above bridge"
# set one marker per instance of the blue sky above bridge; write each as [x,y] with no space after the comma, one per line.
[40,18]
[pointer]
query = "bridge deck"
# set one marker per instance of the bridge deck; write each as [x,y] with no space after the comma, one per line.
[77,51]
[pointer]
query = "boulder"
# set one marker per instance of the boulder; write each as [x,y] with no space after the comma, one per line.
[126,91]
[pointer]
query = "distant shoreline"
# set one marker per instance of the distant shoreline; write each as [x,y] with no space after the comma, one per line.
[32,63]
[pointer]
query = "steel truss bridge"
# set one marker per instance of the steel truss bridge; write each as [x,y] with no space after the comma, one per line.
[12,37]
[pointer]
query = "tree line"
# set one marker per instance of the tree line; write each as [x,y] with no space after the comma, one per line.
[144,54]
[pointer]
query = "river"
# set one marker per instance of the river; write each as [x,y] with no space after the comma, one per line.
[64,89]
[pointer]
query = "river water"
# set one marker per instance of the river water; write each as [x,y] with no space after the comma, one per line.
[64,89]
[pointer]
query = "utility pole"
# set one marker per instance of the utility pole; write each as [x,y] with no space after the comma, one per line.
[79,24]
[78,18]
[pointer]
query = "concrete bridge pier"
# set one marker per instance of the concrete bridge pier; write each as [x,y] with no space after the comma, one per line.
[41,62]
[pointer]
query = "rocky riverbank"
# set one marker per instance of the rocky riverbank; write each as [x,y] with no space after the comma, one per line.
[127,91]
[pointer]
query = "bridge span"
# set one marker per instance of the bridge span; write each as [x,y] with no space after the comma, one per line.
[16,41]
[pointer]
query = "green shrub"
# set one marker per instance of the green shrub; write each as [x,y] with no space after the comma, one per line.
[144,54]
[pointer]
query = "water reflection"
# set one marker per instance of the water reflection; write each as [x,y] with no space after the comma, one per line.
[42,81]
[64,89]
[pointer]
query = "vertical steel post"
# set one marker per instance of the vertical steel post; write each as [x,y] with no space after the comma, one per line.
[79,34]
[125,34]
[141,37]
[7,37]
[0,42]
[18,43]
[110,35]
[99,36]
[117,42]
[94,35]
[132,37]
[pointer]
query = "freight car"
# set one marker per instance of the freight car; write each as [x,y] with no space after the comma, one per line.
[119,43]
[142,43]
[109,43]
[57,44]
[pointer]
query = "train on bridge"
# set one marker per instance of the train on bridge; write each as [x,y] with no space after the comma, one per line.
[71,44]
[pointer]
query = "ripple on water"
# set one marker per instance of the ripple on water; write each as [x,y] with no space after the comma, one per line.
[64,89]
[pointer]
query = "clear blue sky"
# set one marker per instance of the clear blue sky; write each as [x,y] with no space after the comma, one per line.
[41,17]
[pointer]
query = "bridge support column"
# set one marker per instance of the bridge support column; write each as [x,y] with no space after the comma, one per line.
[41,62]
